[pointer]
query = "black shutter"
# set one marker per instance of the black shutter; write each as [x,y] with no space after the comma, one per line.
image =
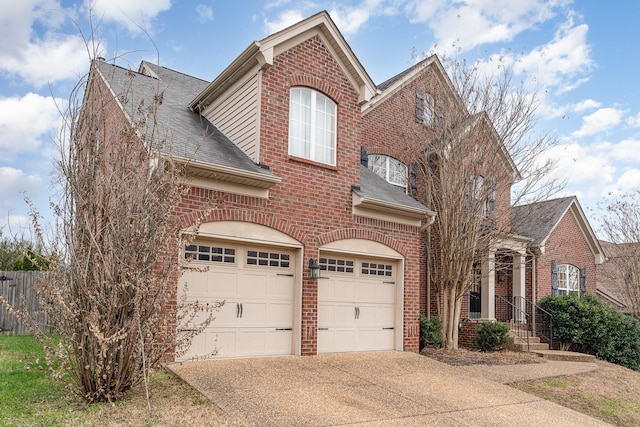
[364,157]
[583,281]
[491,200]
[419,105]
[554,279]
[413,179]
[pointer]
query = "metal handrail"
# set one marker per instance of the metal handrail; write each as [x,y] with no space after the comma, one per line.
[519,316]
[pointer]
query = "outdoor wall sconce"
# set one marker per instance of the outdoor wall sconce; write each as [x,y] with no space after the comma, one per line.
[500,276]
[314,268]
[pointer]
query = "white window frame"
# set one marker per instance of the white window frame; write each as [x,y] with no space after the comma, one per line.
[390,169]
[568,279]
[312,125]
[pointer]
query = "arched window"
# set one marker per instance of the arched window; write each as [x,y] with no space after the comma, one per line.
[312,125]
[568,279]
[392,170]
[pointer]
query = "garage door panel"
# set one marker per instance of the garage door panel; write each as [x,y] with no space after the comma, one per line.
[357,309]
[280,286]
[222,283]
[280,314]
[372,314]
[258,314]
[337,289]
[195,281]
[253,285]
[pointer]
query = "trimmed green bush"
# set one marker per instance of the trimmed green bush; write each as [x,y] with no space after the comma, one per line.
[587,325]
[430,331]
[492,335]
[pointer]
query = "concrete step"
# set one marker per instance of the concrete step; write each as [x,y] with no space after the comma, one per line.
[522,346]
[564,356]
[532,340]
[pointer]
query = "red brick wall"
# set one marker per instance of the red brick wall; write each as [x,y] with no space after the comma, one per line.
[313,203]
[566,245]
[467,335]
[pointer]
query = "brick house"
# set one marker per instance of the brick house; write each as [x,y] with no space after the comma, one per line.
[316,245]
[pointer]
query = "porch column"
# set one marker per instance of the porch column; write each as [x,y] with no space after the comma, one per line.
[519,290]
[488,287]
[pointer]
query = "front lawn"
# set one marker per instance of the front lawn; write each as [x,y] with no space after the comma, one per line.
[28,393]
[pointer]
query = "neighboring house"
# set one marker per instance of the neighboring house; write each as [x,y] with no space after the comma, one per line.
[610,284]
[308,163]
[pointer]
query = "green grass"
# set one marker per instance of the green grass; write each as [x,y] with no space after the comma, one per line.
[29,396]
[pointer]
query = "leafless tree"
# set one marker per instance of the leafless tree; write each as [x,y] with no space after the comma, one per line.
[112,295]
[484,157]
[621,226]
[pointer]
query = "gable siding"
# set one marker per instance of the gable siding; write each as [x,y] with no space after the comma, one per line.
[236,115]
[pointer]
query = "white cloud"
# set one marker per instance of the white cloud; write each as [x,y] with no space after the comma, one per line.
[467,24]
[562,63]
[205,13]
[42,56]
[629,180]
[16,181]
[24,121]
[587,104]
[48,61]
[284,20]
[136,15]
[627,150]
[350,19]
[600,121]
[634,121]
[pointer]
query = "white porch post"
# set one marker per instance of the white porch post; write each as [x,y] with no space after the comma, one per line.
[488,287]
[519,291]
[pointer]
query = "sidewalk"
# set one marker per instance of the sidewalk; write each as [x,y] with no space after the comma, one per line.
[506,374]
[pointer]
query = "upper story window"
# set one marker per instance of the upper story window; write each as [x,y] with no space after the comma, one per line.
[425,108]
[568,279]
[394,171]
[483,191]
[312,126]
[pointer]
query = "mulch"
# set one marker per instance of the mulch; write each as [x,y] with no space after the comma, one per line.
[464,357]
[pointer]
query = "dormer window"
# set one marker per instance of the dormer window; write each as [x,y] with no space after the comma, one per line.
[312,126]
[392,170]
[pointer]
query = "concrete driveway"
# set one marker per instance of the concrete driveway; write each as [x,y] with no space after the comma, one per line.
[374,389]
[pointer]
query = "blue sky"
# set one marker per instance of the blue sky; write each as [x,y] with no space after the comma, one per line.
[582,55]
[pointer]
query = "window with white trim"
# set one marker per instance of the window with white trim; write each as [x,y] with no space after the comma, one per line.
[392,170]
[568,279]
[312,126]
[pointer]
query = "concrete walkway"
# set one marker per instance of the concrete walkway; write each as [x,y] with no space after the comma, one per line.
[377,389]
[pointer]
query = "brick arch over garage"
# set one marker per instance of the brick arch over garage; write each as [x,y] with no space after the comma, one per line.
[245,216]
[355,233]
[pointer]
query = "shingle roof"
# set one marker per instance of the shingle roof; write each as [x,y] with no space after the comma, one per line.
[537,220]
[374,187]
[195,138]
[610,282]
[188,134]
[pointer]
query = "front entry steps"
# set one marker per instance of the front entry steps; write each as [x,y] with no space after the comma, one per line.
[517,343]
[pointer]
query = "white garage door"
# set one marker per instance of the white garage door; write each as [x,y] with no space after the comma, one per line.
[356,304]
[257,285]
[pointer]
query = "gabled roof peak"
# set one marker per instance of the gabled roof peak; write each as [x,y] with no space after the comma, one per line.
[259,55]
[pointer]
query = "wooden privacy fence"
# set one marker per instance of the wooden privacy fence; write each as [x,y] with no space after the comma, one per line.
[16,286]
